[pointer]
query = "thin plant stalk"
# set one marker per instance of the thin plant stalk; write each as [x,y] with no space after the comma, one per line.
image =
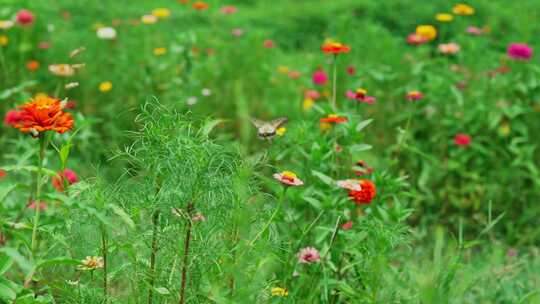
[41,156]
[334,83]
[153,255]
[104,248]
[186,253]
[404,136]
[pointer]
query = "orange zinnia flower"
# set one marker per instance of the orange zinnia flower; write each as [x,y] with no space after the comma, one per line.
[333,118]
[335,48]
[199,5]
[42,114]
[32,65]
[366,194]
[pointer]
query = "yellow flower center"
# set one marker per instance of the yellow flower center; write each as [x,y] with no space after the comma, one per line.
[288,174]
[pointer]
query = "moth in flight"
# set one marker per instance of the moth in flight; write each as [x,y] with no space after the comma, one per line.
[267,129]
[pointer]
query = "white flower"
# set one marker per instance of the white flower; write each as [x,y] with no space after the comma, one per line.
[106,33]
[206,92]
[191,100]
[6,24]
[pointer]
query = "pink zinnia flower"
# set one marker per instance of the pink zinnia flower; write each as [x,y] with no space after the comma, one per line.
[473,30]
[347,225]
[294,74]
[228,9]
[237,32]
[462,140]
[309,255]
[414,95]
[68,175]
[449,48]
[350,184]
[25,17]
[350,94]
[44,45]
[268,44]
[42,205]
[520,51]
[415,39]
[320,77]
[312,94]
[367,99]
[12,118]
[288,178]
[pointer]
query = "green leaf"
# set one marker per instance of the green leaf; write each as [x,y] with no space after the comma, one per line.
[58,261]
[162,290]
[361,125]
[359,148]
[123,215]
[324,178]
[25,264]
[5,264]
[6,293]
[210,125]
[313,202]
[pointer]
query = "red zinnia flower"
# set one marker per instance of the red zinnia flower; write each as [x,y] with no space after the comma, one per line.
[462,140]
[335,48]
[67,176]
[2,173]
[347,225]
[333,118]
[43,114]
[366,194]
[268,44]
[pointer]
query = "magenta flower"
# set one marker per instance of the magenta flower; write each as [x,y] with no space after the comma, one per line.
[309,255]
[414,96]
[519,51]
[68,176]
[350,94]
[320,77]
[25,17]
[462,140]
[32,205]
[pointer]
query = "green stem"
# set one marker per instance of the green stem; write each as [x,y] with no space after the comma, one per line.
[403,138]
[105,262]
[334,84]
[41,156]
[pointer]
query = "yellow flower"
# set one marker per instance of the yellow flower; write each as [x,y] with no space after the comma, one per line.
[160,51]
[308,103]
[281,131]
[504,129]
[149,19]
[4,40]
[161,12]
[105,86]
[463,9]
[444,17]
[283,69]
[279,292]
[426,31]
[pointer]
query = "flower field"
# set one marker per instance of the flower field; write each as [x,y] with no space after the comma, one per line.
[254,151]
